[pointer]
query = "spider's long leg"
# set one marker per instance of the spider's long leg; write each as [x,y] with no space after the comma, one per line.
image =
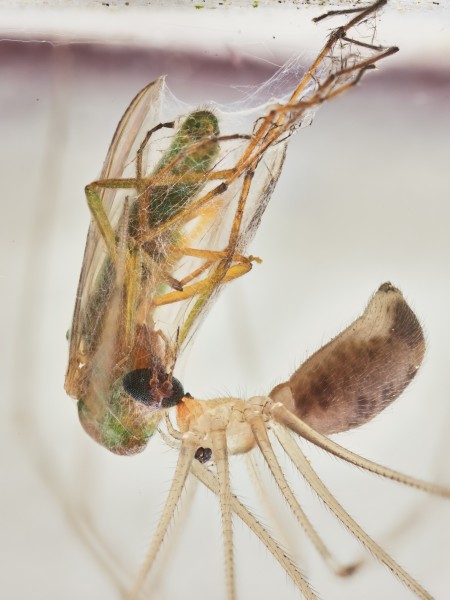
[256,479]
[211,482]
[188,447]
[258,426]
[284,534]
[220,456]
[300,461]
[284,416]
[158,576]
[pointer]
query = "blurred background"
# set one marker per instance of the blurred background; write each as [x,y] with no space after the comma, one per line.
[363,198]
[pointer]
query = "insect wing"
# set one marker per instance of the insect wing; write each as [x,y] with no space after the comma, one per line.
[142,112]
[221,228]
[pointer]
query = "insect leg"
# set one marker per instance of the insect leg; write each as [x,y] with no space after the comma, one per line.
[202,287]
[95,204]
[282,415]
[327,90]
[139,153]
[269,131]
[223,269]
[300,461]
[211,256]
[140,184]
[243,266]
[98,214]
[348,11]
[166,176]
[222,274]
[280,119]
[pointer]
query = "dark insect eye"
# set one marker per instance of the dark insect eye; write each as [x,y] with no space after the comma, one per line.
[145,386]
[203,454]
[176,395]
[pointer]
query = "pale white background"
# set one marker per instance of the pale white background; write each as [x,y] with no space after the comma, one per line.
[364,198]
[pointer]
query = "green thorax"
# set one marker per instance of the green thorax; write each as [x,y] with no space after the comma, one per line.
[196,146]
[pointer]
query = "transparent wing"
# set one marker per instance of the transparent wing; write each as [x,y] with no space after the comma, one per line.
[179,215]
[142,112]
[216,228]
[231,215]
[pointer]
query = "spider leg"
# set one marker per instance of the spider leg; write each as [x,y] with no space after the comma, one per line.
[300,461]
[256,421]
[282,415]
[188,447]
[256,478]
[220,456]
[211,482]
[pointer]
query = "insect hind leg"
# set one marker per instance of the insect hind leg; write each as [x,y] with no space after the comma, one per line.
[205,285]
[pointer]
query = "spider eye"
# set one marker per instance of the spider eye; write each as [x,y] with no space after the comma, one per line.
[144,385]
[203,454]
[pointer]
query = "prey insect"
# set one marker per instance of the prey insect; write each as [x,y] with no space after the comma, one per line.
[177,203]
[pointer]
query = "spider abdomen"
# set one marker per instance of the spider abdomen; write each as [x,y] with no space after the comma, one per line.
[361,371]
